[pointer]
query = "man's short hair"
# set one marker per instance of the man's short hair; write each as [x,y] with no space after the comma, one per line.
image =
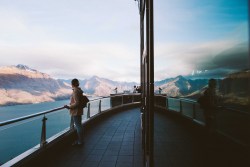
[75,82]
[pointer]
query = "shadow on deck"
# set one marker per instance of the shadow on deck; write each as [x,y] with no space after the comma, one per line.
[115,141]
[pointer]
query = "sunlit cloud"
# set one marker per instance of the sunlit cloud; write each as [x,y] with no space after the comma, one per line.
[85,38]
[223,55]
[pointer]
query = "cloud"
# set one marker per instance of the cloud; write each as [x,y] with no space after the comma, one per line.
[221,56]
[72,39]
[83,38]
[110,60]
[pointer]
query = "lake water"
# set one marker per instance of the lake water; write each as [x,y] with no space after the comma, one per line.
[19,137]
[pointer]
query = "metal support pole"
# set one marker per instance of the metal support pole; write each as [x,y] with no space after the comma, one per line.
[167,103]
[43,134]
[100,106]
[194,111]
[151,83]
[71,123]
[149,90]
[88,112]
[180,107]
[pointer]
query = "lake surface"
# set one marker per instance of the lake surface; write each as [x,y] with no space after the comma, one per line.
[19,137]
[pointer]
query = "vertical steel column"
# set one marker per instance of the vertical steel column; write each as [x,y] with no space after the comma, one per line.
[142,65]
[147,87]
[248,50]
[151,83]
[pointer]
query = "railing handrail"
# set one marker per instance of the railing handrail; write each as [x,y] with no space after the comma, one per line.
[221,107]
[113,95]
[29,116]
[3,123]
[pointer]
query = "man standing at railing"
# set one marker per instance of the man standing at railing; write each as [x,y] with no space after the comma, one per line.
[76,110]
[210,105]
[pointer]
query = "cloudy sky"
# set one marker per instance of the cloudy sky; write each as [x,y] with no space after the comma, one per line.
[81,38]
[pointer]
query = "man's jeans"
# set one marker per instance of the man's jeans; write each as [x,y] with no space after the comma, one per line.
[78,123]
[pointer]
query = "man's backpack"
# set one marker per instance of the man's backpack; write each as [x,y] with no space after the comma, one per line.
[85,100]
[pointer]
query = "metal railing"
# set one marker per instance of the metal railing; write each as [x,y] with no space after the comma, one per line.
[228,122]
[94,107]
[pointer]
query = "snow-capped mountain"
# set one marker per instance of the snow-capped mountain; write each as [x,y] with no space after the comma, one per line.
[21,84]
[180,86]
[24,67]
[103,87]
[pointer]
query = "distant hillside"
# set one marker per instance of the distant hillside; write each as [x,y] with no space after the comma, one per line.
[21,84]
[180,86]
[103,87]
[235,89]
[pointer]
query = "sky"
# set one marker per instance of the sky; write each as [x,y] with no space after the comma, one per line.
[82,38]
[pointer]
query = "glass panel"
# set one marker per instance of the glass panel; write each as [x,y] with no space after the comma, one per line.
[174,104]
[106,104]
[19,137]
[127,99]
[187,108]
[196,41]
[57,122]
[116,101]
[94,107]
[199,113]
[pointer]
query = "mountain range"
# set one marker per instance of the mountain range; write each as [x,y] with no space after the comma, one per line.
[97,86]
[180,86]
[21,85]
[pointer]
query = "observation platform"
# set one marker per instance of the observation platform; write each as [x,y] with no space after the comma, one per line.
[115,141]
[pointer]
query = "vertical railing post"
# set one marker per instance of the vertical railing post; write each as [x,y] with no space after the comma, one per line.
[43,133]
[100,106]
[71,123]
[166,103]
[181,107]
[88,112]
[194,112]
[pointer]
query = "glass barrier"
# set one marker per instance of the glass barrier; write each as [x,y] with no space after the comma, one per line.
[187,108]
[16,138]
[19,137]
[94,107]
[105,104]
[57,122]
[199,115]
[174,104]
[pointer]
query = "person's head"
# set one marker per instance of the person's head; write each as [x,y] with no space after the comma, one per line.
[75,82]
[212,83]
